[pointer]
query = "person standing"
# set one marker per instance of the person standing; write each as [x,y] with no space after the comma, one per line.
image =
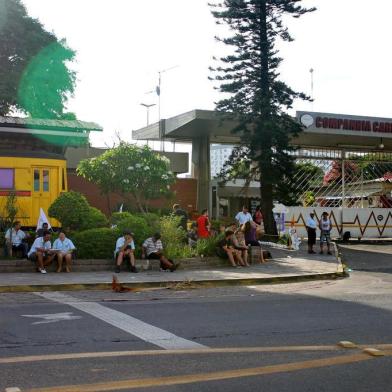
[311,227]
[63,247]
[203,225]
[258,216]
[178,211]
[325,226]
[243,216]
[15,239]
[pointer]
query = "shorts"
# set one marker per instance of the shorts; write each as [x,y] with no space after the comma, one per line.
[154,256]
[325,237]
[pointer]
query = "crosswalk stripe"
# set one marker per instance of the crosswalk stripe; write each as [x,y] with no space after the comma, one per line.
[129,324]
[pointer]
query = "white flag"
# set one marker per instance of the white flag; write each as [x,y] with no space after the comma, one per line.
[42,219]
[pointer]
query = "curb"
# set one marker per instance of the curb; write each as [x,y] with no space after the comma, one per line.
[207,283]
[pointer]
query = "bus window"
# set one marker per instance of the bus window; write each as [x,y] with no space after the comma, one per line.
[7,178]
[45,179]
[36,180]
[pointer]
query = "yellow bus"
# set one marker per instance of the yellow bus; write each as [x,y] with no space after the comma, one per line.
[36,183]
[32,163]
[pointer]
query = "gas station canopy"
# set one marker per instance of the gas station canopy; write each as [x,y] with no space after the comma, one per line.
[321,130]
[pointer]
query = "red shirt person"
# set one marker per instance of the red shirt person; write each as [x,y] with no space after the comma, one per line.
[203,225]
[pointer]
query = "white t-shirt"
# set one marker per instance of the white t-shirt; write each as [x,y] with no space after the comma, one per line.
[39,243]
[64,246]
[17,236]
[242,217]
[120,243]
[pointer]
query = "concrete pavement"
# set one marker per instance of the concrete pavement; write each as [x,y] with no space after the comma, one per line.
[285,266]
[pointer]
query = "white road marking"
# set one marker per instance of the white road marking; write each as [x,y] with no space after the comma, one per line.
[52,318]
[129,324]
[12,389]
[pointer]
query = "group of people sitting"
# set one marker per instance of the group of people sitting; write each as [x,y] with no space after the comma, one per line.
[238,238]
[41,252]
[152,249]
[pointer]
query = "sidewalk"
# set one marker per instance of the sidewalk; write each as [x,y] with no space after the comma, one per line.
[286,266]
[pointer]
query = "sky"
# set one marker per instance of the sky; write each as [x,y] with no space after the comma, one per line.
[122,44]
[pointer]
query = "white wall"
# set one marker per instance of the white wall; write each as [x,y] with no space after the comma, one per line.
[360,222]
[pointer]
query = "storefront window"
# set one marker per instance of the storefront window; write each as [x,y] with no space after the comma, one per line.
[7,178]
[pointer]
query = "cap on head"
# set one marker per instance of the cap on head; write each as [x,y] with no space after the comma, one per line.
[325,213]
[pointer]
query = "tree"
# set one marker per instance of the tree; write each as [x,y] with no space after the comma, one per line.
[34,74]
[256,98]
[138,174]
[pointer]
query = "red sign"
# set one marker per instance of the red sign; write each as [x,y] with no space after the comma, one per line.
[353,125]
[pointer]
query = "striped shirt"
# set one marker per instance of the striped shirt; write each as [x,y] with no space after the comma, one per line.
[152,246]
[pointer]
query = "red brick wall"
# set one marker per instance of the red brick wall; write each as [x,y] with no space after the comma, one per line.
[185,194]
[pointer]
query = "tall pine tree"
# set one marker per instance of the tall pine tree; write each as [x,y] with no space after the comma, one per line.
[255,96]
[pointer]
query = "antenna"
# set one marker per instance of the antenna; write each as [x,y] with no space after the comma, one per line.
[159,91]
[311,70]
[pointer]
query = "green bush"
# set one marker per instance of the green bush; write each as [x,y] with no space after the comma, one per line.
[94,220]
[71,209]
[151,219]
[119,216]
[95,243]
[207,246]
[174,238]
[138,226]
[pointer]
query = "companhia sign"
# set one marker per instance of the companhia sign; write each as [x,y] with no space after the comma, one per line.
[325,121]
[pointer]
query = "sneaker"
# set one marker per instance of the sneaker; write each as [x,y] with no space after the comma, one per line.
[329,253]
[43,270]
[117,269]
[133,269]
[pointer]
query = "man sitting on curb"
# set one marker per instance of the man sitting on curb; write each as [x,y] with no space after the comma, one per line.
[153,249]
[15,240]
[63,247]
[125,248]
[41,252]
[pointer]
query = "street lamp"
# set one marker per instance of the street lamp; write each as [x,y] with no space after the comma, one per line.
[148,106]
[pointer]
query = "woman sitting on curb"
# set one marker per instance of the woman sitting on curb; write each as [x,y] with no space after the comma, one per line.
[226,250]
[249,229]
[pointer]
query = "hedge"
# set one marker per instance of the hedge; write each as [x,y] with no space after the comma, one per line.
[96,243]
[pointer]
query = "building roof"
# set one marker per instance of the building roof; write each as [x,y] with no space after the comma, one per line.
[48,124]
[41,134]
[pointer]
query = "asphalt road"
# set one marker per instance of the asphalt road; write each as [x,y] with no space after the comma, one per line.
[281,337]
